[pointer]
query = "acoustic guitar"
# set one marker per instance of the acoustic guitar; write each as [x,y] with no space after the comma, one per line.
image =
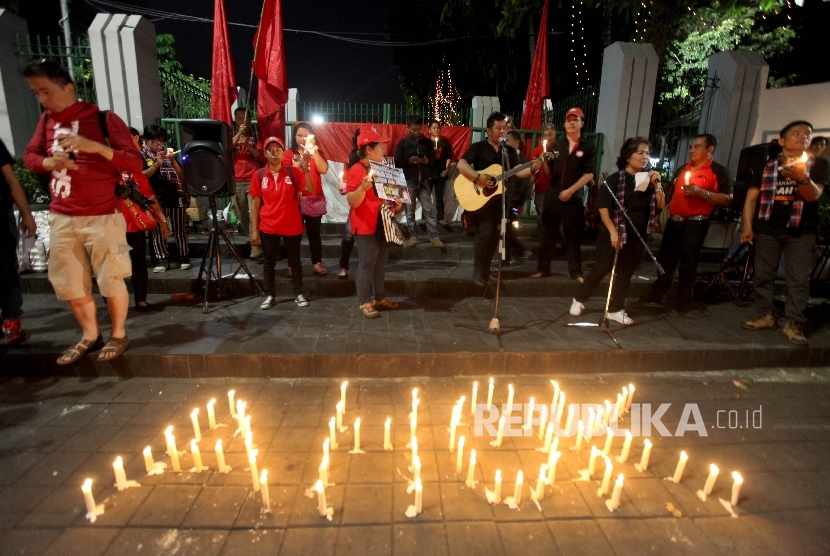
[473,197]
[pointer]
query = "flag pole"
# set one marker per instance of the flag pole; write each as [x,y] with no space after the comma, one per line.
[253,63]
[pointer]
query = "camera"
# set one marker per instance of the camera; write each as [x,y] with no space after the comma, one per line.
[129,190]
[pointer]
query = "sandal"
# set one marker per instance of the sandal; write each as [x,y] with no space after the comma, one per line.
[386,304]
[116,346]
[539,274]
[73,353]
[369,311]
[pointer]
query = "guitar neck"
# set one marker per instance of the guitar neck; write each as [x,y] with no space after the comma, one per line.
[513,171]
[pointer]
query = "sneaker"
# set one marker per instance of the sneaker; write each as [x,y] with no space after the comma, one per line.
[437,242]
[413,242]
[269,302]
[301,301]
[319,269]
[621,318]
[577,308]
[185,266]
[369,311]
[764,322]
[14,331]
[162,267]
[793,331]
[343,273]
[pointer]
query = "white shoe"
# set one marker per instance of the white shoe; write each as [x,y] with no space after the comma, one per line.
[301,301]
[577,308]
[161,268]
[621,318]
[269,302]
[185,266]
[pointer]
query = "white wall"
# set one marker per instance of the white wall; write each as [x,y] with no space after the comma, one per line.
[781,106]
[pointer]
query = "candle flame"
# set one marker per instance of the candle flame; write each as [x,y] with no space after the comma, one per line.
[713,468]
[647,443]
[148,451]
[620,479]
[388,420]
[212,402]
[804,156]
[263,477]
[195,412]
[254,453]
[491,380]
[357,423]
[193,446]
[683,455]
[735,475]
[118,462]
[87,486]
[219,444]
[319,486]
[519,477]
[628,435]
[498,475]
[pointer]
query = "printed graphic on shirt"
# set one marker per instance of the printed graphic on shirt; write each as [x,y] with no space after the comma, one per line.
[785,190]
[61,184]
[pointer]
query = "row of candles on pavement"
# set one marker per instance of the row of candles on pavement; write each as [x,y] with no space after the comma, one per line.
[547,471]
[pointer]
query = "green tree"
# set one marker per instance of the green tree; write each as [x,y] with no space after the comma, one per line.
[182,95]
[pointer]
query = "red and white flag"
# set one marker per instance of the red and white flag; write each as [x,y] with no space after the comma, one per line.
[269,67]
[223,91]
[539,86]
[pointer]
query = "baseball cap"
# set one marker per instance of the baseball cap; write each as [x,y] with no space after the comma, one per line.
[368,134]
[273,139]
[575,111]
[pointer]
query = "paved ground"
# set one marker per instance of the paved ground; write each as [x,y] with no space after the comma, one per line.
[57,432]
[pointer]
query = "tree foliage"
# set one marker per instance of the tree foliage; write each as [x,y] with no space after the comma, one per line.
[182,95]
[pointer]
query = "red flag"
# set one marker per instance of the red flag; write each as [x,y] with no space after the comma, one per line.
[539,85]
[269,67]
[223,79]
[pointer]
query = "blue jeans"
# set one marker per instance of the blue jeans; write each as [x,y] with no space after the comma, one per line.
[371,268]
[419,190]
[798,256]
[11,296]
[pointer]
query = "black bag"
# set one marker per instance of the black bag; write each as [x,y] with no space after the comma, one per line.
[388,230]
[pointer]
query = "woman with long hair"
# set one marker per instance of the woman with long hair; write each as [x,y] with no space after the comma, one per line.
[641,201]
[299,156]
[372,253]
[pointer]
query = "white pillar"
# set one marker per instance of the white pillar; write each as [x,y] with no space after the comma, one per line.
[291,113]
[629,78]
[18,106]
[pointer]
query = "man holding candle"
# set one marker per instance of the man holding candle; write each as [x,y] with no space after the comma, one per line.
[415,154]
[783,227]
[699,186]
[440,168]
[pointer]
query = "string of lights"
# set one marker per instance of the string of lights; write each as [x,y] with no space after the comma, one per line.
[444,101]
[578,30]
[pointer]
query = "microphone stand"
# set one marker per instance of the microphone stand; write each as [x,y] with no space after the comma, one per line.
[603,324]
[494,322]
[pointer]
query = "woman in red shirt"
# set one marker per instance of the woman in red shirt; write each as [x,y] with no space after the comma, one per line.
[275,215]
[371,252]
[317,166]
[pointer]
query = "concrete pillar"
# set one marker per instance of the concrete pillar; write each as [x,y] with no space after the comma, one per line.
[291,113]
[482,107]
[18,107]
[730,110]
[629,78]
[125,64]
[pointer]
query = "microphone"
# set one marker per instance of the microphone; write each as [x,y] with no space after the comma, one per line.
[502,139]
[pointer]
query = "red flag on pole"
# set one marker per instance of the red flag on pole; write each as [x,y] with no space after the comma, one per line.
[539,85]
[269,67]
[223,79]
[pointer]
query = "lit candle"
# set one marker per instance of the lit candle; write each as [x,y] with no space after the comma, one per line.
[681,465]
[590,426]
[415,402]
[419,496]
[552,461]
[539,492]
[473,398]
[436,142]
[609,438]
[606,478]
[460,405]
[544,145]
[342,183]
[326,444]
[323,470]
[555,392]
[416,468]
[643,465]
[554,445]
[230,402]
[626,447]
[343,395]
[560,408]
[710,481]
[120,476]
[617,408]
[413,425]
[357,434]
[249,443]
[607,415]
[614,503]
[529,416]
[194,417]
[579,430]
[197,457]
[453,426]
[414,444]
[543,418]
[623,408]
[510,393]
[322,506]
[211,413]
[332,434]
[471,470]
[149,464]
[240,412]
[254,473]
[548,437]
[172,451]
[246,425]
[497,487]
[569,421]
[630,397]
[92,510]
[497,442]
[688,175]
[387,434]
[340,406]
[220,457]
[592,462]
[459,462]
[490,393]
[598,419]
[517,490]
[736,487]
[263,483]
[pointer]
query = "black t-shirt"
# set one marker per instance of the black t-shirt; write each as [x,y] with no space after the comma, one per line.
[443,153]
[569,167]
[518,189]
[637,203]
[5,191]
[782,205]
[482,155]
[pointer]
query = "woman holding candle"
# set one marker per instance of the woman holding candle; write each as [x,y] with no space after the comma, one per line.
[616,232]
[275,216]
[365,204]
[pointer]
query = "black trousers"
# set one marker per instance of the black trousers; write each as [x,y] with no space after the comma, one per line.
[315,242]
[138,259]
[271,252]
[438,184]
[630,257]
[571,216]
[346,243]
[681,245]
[487,236]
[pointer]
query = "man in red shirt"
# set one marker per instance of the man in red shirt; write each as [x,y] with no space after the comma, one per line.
[699,186]
[87,230]
[247,159]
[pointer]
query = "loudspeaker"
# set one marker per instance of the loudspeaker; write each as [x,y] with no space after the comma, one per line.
[207,157]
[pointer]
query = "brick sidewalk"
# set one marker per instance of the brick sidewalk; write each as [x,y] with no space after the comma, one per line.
[57,432]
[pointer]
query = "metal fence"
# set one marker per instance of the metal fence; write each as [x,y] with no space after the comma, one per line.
[366,112]
[182,99]
[587,100]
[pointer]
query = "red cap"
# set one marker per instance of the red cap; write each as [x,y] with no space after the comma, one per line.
[276,140]
[369,134]
[575,111]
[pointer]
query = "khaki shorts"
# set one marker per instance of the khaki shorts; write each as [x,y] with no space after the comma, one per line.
[83,246]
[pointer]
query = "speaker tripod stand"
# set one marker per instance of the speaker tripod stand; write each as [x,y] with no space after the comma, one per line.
[212,254]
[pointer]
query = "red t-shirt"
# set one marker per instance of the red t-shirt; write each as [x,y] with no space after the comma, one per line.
[704,178]
[144,187]
[316,178]
[542,181]
[89,190]
[364,217]
[245,165]
[279,212]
